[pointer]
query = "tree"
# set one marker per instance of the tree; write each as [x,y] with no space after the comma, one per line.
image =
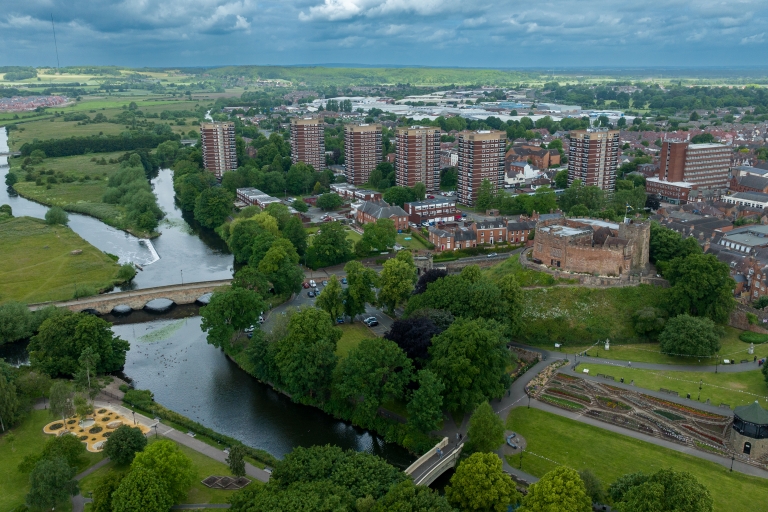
[307,356]
[60,399]
[300,206]
[83,407]
[666,244]
[251,279]
[486,430]
[648,322]
[470,358]
[86,375]
[701,286]
[377,236]
[430,276]
[9,403]
[485,195]
[373,370]
[689,335]
[261,244]
[480,484]
[330,246]
[592,197]
[56,215]
[329,201]
[561,179]
[414,336]
[331,299]
[213,206]
[241,236]
[361,282]
[408,497]
[67,447]
[102,493]
[230,310]
[236,460]
[664,491]
[420,190]
[10,438]
[425,408]
[15,322]
[280,265]
[11,179]
[165,459]
[399,196]
[513,301]
[295,233]
[142,490]
[560,490]
[124,443]
[397,280]
[51,483]
[593,486]
[61,340]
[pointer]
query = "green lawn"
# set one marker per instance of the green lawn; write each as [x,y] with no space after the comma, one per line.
[36,264]
[29,441]
[352,335]
[198,493]
[525,276]
[611,455]
[727,388]
[731,348]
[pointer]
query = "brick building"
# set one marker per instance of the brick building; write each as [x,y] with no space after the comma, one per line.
[308,142]
[749,183]
[490,232]
[417,157]
[351,192]
[371,211]
[704,165]
[593,156]
[219,151]
[518,231]
[362,151]
[538,156]
[255,197]
[675,192]
[441,209]
[481,157]
[592,246]
[451,240]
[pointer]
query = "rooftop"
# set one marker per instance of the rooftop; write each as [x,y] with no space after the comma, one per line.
[752,413]
[599,223]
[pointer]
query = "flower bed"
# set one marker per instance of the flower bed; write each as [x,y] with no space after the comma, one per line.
[102,411]
[684,408]
[620,420]
[95,430]
[71,422]
[83,438]
[574,386]
[107,434]
[704,435]
[56,426]
[566,378]
[106,418]
[612,404]
[669,415]
[569,394]
[665,430]
[561,402]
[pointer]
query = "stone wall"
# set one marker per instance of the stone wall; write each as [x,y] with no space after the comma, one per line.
[739,320]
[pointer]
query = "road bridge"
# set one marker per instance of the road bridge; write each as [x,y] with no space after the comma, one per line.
[433,464]
[137,299]
[11,153]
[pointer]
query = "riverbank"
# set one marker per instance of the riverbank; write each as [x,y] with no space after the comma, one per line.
[77,184]
[40,263]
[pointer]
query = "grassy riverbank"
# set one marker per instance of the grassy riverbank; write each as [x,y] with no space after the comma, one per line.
[610,455]
[37,264]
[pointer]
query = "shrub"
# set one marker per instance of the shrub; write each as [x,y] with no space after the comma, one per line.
[95,430]
[56,215]
[753,337]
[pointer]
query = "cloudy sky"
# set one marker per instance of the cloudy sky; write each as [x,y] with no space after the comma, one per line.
[473,33]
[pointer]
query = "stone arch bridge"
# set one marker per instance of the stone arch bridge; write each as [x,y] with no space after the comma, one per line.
[137,299]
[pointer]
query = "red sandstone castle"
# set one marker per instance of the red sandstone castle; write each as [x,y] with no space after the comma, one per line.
[593,246]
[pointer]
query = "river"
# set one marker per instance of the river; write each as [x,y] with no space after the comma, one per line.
[188,252]
[170,356]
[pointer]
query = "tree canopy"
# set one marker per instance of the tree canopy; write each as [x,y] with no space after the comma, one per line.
[701,286]
[480,484]
[664,491]
[560,490]
[690,335]
[486,430]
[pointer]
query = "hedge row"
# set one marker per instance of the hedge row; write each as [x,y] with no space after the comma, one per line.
[95,144]
[143,399]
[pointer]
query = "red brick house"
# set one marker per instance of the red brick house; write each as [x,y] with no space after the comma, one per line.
[371,211]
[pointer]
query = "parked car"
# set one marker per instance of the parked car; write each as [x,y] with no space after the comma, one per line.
[249,329]
[325,283]
[311,294]
[431,197]
[492,255]
[371,322]
[343,280]
[261,319]
[464,215]
[312,283]
[305,285]
[340,320]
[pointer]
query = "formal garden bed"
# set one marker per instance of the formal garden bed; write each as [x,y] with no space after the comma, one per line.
[91,431]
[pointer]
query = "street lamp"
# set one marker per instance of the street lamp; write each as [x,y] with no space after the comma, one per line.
[522,450]
[698,398]
[529,401]
[134,417]
[733,457]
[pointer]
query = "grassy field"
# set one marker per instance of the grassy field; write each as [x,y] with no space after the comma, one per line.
[352,335]
[29,441]
[578,316]
[198,493]
[611,455]
[525,276]
[412,244]
[731,347]
[720,388]
[36,263]
[78,196]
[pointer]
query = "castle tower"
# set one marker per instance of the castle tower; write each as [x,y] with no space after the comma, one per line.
[639,233]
